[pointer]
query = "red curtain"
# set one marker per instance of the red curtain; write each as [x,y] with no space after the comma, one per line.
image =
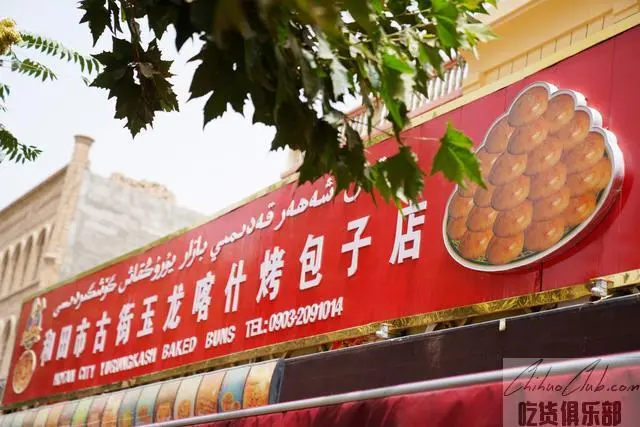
[479,405]
[469,406]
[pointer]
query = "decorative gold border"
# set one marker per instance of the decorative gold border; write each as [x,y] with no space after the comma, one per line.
[570,293]
[540,298]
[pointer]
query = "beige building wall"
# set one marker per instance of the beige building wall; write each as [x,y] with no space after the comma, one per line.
[25,233]
[68,224]
[116,215]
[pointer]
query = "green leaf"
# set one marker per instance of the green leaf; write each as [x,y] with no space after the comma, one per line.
[445,9]
[294,60]
[402,175]
[96,15]
[447,34]
[430,55]
[138,96]
[397,64]
[114,11]
[455,158]
[54,49]
[161,16]
[15,150]
[360,11]
[5,91]
[478,32]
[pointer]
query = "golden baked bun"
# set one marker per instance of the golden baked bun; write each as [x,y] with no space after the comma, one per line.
[460,206]
[507,168]
[481,219]
[510,195]
[474,244]
[604,165]
[109,418]
[586,181]
[579,209]
[585,154]
[184,409]
[498,137]
[559,112]
[548,182]
[205,406]
[469,190]
[503,250]
[575,131]
[456,227]
[486,160]
[541,235]
[551,206]
[529,106]
[514,221]
[544,157]
[526,138]
[483,196]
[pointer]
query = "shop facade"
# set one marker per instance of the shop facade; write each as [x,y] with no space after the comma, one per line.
[297,268]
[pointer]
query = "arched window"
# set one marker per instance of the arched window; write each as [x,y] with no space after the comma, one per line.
[15,265]
[4,340]
[4,273]
[26,261]
[42,238]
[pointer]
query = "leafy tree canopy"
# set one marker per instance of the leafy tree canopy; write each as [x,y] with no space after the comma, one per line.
[296,61]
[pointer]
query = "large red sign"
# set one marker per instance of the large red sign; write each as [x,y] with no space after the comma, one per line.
[300,262]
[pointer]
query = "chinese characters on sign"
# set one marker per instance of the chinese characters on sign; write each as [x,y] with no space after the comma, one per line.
[166,307]
[406,246]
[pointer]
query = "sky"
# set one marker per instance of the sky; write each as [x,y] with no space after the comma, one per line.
[207,169]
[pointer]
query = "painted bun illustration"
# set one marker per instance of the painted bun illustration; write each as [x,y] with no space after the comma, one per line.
[474,243]
[550,169]
[461,206]
[585,154]
[23,371]
[498,137]
[514,221]
[507,168]
[551,206]
[469,190]
[486,160]
[510,195]
[481,219]
[483,196]
[529,105]
[548,182]
[502,250]
[456,228]
[576,130]
[542,235]
[544,157]
[526,138]
[580,208]
[560,111]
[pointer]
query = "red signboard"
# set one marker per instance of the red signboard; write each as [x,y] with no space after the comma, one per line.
[301,262]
